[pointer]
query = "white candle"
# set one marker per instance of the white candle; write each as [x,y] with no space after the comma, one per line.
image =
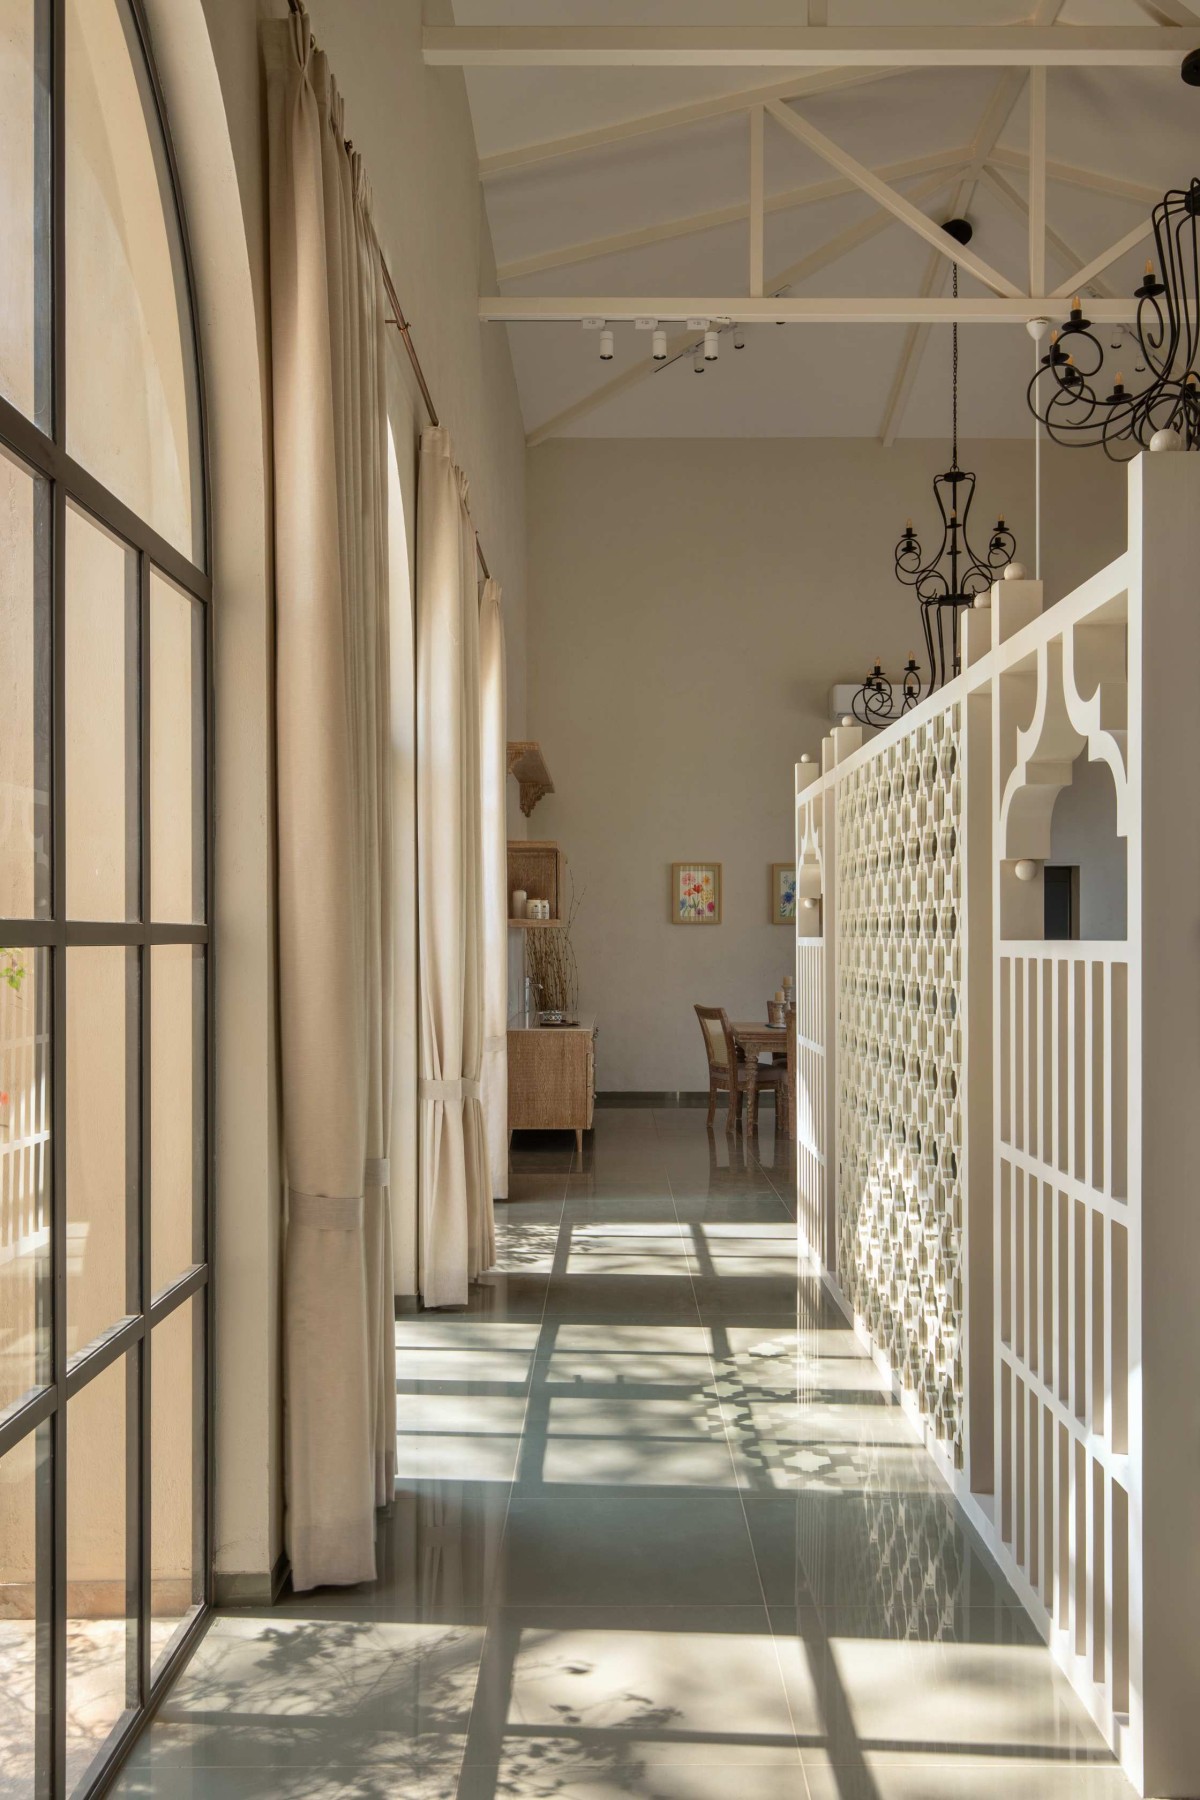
[519,899]
[780,995]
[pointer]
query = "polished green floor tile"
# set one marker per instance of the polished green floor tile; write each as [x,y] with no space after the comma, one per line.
[607,1688]
[660,1530]
[621,1547]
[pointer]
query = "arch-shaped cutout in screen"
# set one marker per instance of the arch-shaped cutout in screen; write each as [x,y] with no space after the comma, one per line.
[1083,836]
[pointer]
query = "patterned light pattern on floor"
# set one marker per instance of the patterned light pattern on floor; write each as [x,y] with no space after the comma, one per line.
[656,1534]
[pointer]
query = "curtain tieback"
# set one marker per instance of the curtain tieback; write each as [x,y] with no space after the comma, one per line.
[326,1212]
[450,1090]
[377,1172]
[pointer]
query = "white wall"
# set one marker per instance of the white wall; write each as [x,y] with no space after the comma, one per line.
[691,603]
[1083,835]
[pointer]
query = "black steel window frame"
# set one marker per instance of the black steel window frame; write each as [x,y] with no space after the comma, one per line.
[67,482]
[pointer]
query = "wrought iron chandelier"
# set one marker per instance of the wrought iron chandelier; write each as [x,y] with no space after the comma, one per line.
[1066,394]
[951,579]
[879,700]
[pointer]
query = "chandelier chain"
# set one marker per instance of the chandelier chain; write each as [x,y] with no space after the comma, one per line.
[954,384]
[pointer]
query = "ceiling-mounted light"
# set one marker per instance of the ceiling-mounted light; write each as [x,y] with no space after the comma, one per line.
[606,345]
[710,346]
[659,344]
[739,337]
[698,361]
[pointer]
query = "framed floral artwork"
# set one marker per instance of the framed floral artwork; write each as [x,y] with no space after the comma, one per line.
[695,893]
[783,893]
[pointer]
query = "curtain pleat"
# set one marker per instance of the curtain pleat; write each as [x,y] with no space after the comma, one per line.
[457,1232]
[334,820]
[494,754]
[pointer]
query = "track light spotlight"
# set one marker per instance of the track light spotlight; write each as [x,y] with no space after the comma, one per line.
[710,346]
[698,362]
[659,345]
[606,345]
[739,337]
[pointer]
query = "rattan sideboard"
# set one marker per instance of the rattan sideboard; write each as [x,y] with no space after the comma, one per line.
[552,1077]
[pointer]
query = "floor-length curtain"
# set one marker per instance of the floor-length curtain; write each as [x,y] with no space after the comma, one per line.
[456,1222]
[332,677]
[494,753]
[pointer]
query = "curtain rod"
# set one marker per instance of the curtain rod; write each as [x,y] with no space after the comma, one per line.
[402,326]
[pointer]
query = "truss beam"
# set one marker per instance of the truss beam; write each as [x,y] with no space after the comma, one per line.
[1095,180]
[1113,254]
[788,200]
[887,197]
[847,309]
[804,46]
[675,118]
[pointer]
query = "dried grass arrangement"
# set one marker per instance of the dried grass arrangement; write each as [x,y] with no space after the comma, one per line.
[550,960]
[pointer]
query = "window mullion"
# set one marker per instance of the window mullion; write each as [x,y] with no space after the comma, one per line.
[52,1770]
[142,1225]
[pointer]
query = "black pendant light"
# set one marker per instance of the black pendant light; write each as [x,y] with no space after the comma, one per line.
[1080,404]
[955,575]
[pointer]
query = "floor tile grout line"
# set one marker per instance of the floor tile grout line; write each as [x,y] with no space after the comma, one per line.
[745,1517]
[489,1600]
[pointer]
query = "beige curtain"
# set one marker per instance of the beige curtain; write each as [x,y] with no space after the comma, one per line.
[457,1233]
[402,480]
[334,799]
[494,752]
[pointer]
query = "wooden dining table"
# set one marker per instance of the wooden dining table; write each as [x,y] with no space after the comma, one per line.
[754,1037]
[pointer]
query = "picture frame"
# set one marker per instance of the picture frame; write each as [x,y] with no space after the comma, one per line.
[783,893]
[695,893]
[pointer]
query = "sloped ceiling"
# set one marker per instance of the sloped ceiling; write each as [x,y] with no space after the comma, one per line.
[1139,126]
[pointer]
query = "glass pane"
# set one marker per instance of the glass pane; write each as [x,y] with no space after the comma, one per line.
[176,754]
[25,1190]
[103,847]
[24,1612]
[176,1111]
[102,1140]
[24,690]
[132,413]
[101,1565]
[25,147]
[176,1472]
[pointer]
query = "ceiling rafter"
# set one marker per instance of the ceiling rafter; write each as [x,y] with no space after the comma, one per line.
[1095,180]
[1168,12]
[861,233]
[801,46]
[1113,254]
[675,118]
[787,200]
[886,196]
[678,346]
[995,117]
[1018,206]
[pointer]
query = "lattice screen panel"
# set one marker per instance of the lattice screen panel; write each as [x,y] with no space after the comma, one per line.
[1063,1237]
[899,1124]
[810,1090]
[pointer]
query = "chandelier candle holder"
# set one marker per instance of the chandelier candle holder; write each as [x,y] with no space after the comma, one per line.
[1079,404]
[955,575]
[879,700]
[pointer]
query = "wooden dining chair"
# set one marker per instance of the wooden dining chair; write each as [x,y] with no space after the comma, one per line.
[722,1055]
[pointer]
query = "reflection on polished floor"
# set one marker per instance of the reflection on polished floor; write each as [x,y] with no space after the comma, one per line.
[654,1535]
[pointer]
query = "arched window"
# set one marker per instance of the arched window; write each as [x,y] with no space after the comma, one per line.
[105,900]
